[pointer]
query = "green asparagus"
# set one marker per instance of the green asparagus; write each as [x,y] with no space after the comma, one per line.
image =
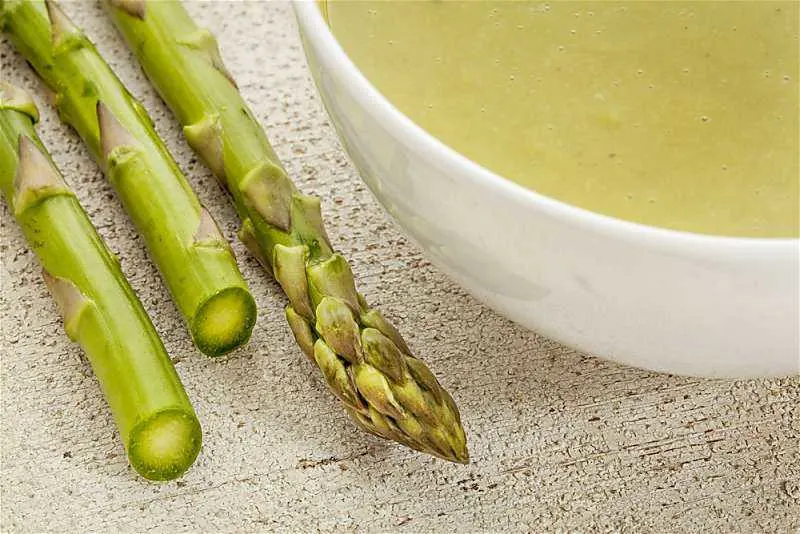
[363,358]
[194,259]
[101,312]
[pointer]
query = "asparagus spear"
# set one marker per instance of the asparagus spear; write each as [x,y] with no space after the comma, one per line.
[364,359]
[101,312]
[194,258]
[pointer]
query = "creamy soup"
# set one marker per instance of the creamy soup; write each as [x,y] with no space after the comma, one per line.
[682,115]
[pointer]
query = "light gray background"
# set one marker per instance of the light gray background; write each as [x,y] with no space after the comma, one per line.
[559,440]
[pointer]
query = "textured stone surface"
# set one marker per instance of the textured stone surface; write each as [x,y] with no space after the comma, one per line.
[559,440]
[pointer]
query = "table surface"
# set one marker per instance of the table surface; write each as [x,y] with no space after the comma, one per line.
[559,440]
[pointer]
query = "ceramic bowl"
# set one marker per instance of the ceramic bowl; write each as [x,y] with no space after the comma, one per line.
[653,298]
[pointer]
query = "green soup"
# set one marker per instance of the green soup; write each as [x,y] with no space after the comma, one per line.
[682,115]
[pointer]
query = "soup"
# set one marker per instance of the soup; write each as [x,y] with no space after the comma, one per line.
[681,115]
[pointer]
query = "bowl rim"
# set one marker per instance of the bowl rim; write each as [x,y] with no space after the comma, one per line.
[315,29]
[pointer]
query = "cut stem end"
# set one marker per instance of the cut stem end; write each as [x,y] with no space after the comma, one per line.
[224,322]
[164,446]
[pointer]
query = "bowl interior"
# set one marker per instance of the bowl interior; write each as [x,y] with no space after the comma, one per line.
[313,15]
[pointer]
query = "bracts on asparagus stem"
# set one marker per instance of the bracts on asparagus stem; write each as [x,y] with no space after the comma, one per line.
[195,260]
[101,312]
[363,358]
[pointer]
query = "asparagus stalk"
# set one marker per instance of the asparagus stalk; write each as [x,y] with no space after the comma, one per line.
[101,312]
[365,361]
[194,259]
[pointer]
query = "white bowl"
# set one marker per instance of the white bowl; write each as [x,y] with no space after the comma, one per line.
[649,297]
